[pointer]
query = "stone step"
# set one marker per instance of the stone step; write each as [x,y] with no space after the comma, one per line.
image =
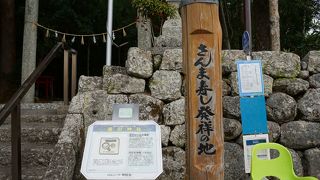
[33,132]
[28,173]
[42,108]
[43,111]
[32,154]
[39,118]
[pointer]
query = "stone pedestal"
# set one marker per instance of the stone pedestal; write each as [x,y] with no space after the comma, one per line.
[171,31]
[144,32]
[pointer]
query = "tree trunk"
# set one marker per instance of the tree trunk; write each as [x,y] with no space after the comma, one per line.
[274,25]
[29,45]
[225,34]
[261,26]
[7,49]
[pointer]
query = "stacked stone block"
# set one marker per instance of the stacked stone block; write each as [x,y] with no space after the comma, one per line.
[292,103]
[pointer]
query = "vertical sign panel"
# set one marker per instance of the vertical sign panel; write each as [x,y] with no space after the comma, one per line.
[253,115]
[201,52]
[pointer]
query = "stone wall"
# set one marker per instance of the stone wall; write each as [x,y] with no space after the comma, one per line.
[156,83]
[292,103]
[66,152]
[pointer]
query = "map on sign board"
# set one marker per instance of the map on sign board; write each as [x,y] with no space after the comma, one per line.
[109,145]
[122,150]
[250,79]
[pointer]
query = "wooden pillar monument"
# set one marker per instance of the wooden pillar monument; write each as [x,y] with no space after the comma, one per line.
[202,41]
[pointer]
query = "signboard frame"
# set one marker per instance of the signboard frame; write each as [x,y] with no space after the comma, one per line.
[117,161]
[257,76]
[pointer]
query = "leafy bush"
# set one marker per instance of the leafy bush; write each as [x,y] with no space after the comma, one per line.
[152,8]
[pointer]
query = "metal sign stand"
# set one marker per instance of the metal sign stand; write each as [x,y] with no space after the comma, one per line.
[252,103]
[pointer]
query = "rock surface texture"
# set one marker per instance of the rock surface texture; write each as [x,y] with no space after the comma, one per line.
[309,105]
[174,112]
[166,85]
[313,61]
[281,108]
[139,63]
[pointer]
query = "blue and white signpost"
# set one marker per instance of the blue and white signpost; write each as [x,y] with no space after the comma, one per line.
[252,103]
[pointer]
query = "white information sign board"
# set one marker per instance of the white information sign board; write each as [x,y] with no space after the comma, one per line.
[248,142]
[122,150]
[250,78]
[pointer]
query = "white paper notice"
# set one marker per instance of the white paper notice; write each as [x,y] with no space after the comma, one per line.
[250,77]
[248,142]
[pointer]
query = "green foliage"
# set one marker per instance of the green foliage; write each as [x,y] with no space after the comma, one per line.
[154,8]
[299,32]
